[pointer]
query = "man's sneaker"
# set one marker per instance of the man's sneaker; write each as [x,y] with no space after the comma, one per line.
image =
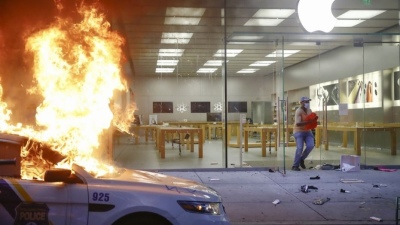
[302,165]
[295,168]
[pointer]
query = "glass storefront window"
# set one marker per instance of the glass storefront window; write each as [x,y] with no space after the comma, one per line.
[231,74]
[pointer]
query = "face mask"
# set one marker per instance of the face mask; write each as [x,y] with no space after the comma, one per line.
[307,105]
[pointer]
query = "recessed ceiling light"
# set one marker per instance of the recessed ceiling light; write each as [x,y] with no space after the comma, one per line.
[165,70]
[183,16]
[241,43]
[181,21]
[247,71]
[360,14]
[214,63]
[280,53]
[176,38]
[183,11]
[170,52]
[262,63]
[229,52]
[207,70]
[305,43]
[263,22]
[247,37]
[348,23]
[167,62]
[274,13]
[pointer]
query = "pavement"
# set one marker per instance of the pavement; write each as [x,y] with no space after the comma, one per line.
[249,194]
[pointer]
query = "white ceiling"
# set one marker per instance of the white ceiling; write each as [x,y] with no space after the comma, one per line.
[144,22]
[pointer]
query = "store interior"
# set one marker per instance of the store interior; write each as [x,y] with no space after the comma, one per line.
[231,73]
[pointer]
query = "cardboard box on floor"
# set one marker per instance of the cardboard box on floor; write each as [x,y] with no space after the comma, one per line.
[349,163]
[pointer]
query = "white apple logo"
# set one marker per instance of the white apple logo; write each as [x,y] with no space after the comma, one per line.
[316,15]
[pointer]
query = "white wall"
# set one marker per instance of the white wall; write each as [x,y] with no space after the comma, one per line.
[202,88]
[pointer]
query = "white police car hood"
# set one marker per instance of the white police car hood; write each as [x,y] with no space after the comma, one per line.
[139,177]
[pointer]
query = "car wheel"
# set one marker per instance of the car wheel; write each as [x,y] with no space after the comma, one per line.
[143,219]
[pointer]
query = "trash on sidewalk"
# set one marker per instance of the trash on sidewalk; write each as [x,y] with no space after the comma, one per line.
[315,178]
[351,181]
[329,167]
[378,185]
[306,188]
[214,179]
[271,171]
[376,218]
[344,191]
[321,201]
[350,163]
[380,168]
[277,201]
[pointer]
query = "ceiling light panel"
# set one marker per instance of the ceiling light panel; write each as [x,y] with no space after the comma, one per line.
[274,13]
[167,62]
[263,22]
[229,52]
[165,70]
[207,70]
[214,63]
[183,11]
[182,21]
[360,14]
[247,38]
[262,63]
[280,53]
[183,16]
[348,23]
[241,43]
[170,52]
[247,71]
[176,38]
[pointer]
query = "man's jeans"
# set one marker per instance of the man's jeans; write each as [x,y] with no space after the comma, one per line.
[305,137]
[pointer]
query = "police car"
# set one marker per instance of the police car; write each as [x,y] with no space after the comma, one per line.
[75,197]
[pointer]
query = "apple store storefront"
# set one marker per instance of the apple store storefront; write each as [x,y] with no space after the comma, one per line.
[216,83]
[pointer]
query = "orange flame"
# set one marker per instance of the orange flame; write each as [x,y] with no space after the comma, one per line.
[76,70]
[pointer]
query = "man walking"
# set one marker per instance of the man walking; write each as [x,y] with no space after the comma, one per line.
[304,117]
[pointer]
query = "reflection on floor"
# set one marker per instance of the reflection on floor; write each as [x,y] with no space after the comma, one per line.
[145,156]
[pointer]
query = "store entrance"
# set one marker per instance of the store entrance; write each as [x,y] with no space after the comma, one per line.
[352,83]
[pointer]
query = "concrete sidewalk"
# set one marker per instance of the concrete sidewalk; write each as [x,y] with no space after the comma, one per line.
[249,194]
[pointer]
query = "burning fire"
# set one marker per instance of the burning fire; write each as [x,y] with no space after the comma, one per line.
[77,68]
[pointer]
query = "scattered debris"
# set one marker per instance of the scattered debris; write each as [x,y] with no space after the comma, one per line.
[315,178]
[351,181]
[277,201]
[379,185]
[271,171]
[344,191]
[329,167]
[306,188]
[321,201]
[214,179]
[376,218]
[380,168]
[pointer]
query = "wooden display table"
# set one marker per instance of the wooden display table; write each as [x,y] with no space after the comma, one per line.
[162,131]
[265,136]
[357,135]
